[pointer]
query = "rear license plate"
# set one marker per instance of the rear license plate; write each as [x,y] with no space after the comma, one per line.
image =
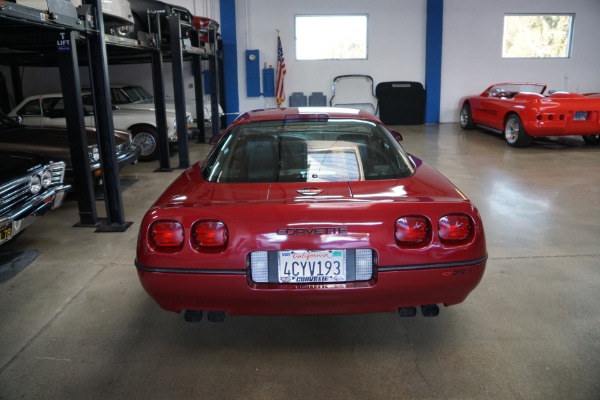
[312,266]
[5,232]
[580,116]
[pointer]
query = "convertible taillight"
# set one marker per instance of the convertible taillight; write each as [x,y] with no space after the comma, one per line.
[455,228]
[166,236]
[209,235]
[412,230]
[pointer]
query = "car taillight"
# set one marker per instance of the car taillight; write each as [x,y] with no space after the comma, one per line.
[209,235]
[412,230]
[455,227]
[166,235]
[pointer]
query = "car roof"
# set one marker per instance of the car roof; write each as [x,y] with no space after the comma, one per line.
[300,113]
[53,95]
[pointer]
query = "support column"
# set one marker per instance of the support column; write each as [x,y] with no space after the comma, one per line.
[179,90]
[78,143]
[433,60]
[98,65]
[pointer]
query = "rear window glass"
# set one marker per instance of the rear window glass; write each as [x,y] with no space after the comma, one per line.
[315,151]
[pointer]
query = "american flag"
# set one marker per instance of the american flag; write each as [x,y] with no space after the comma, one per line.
[279,92]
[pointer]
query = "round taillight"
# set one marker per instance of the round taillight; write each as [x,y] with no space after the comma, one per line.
[412,230]
[166,235]
[209,235]
[455,227]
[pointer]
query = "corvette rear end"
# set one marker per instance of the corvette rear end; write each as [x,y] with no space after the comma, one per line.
[341,227]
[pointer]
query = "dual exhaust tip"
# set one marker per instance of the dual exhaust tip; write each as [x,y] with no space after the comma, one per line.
[428,310]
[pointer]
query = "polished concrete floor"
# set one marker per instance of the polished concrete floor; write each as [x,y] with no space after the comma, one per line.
[76,324]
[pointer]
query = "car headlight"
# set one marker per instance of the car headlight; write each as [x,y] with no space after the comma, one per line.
[123,30]
[94,153]
[35,184]
[46,178]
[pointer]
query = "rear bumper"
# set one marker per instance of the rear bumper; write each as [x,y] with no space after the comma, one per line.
[233,293]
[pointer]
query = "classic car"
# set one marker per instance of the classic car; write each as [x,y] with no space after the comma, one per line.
[135,96]
[143,10]
[522,111]
[30,186]
[203,25]
[117,15]
[49,110]
[53,142]
[309,211]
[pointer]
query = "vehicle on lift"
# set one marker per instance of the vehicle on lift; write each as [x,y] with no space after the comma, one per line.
[30,186]
[144,10]
[49,110]
[53,143]
[204,25]
[310,211]
[135,96]
[117,15]
[522,111]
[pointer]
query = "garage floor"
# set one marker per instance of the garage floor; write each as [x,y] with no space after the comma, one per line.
[76,323]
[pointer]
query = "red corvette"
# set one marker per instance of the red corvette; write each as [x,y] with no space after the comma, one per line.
[521,111]
[310,211]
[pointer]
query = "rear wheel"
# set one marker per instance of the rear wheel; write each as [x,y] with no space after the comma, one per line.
[514,133]
[466,120]
[593,140]
[146,137]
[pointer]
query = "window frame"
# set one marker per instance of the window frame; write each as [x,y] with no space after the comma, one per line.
[569,36]
[298,44]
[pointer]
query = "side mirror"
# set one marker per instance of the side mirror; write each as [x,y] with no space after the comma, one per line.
[397,136]
[19,119]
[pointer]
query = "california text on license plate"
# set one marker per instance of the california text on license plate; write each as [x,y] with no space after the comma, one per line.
[580,116]
[301,266]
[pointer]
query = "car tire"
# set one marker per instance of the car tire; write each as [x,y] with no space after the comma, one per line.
[146,137]
[466,119]
[514,133]
[592,140]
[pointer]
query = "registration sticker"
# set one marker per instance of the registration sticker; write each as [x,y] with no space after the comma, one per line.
[302,266]
[580,116]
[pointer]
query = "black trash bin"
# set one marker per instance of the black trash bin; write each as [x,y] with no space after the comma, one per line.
[401,103]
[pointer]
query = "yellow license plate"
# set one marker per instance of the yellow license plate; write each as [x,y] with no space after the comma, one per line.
[5,233]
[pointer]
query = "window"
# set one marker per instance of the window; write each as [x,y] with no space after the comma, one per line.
[537,36]
[31,108]
[331,37]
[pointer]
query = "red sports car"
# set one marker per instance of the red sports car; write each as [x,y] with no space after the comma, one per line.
[521,111]
[310,211]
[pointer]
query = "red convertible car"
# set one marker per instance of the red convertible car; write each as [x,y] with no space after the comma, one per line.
[522,111]
[310,211]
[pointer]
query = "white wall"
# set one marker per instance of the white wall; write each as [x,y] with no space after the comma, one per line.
[472,47]
[395,43]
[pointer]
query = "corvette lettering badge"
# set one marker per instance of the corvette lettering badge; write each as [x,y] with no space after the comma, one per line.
[309,191]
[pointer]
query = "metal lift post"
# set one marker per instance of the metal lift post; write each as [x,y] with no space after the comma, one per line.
[98,64]
[178,89]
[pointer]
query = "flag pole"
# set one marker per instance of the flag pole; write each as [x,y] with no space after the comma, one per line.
[281,72]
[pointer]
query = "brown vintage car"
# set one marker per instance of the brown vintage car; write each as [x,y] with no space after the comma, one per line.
[54,144]
[30,186]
